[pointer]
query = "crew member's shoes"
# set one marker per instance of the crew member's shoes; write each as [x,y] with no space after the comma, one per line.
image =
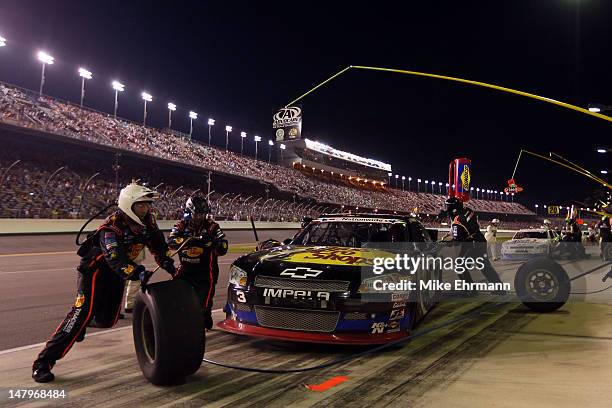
[81,336]
[208,322]
[42,374]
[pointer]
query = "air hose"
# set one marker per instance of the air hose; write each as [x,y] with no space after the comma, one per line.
[356,355]
[90,220]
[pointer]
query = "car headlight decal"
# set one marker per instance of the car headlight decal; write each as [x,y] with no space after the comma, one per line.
[237,276]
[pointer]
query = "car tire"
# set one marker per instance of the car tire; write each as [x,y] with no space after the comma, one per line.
[542,285]
[169,335]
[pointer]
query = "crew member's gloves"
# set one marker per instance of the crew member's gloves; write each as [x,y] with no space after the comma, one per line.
[144,279]
[135,276]
[168,265]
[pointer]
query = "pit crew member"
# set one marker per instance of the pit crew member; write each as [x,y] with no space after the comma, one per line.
[199,256]
[106,263]
[465,229]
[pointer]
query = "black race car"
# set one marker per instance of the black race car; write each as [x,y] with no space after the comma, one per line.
[320,287]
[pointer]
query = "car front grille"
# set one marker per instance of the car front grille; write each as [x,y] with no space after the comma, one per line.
[241,307]
[297,319]
[302,284]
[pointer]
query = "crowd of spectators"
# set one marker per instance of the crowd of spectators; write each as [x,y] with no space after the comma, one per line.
[22,108]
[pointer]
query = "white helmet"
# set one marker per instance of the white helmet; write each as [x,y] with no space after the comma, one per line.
[495,221]
[135,193]
[547,222]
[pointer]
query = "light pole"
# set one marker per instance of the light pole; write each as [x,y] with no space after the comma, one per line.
[389,174]
[228,129]
[242,136]
[257,140]
[440,187]
[282,147]
[171,108]
[418,185]
[118,87]
[477,191]
[84,74]
[409,180]
[46,59]
[403,179]
[211,123]
[396,177]
[536,207]
[426,183]
[192,116]
[146,97]
[433,186]
[270,144]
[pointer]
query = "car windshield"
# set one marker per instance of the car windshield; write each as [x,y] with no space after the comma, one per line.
[530,234]
[350,234]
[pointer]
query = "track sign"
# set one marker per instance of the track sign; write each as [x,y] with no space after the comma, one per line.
[553,209]
[287,123]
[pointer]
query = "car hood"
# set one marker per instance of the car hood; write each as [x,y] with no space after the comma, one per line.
[318,262]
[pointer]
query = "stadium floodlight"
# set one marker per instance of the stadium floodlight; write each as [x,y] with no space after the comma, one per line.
[270,144]
[228,129]
[282,147]
[118,87]
[192,116]
[604,172]
[146,97]
[171,108]
[84,74]
[46,59]
[257,139]
[242,136]
[600,150]
[211,123]
[2,41]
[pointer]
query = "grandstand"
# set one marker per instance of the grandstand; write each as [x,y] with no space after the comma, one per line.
[47,134]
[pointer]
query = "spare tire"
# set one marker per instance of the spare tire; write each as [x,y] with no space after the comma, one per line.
[168,329]
[542,285]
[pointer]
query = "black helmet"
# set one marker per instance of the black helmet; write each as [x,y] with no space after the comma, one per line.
[197,205]
[453,205]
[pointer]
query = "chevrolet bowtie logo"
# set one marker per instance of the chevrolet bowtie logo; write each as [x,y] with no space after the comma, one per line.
[301,272]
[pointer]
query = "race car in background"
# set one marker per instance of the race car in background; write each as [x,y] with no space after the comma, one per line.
[527,243]
[317,288]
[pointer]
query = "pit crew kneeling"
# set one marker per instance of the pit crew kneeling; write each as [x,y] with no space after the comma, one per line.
[106,263]
[199,255]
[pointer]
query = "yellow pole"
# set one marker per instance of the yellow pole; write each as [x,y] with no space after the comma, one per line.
[465,81]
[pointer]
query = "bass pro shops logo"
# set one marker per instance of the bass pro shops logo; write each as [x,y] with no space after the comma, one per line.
[301,272]
[285,117]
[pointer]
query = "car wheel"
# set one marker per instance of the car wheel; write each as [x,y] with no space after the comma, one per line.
[542,285]
[168,330]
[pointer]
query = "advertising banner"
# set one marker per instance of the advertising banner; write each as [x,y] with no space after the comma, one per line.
[287,123]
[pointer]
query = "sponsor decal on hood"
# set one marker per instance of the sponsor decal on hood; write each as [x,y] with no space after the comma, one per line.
[325,255]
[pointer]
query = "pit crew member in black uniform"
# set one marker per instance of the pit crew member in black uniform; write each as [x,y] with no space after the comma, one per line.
[465,229]
[199,256]
[106,263]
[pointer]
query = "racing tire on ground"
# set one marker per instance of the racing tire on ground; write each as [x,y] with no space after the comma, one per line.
[169,335]
[542,285]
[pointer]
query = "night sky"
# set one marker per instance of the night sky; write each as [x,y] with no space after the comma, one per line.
[237,61]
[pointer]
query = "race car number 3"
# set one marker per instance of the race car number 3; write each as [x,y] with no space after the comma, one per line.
[36,394]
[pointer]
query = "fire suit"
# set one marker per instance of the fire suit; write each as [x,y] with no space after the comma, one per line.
[199,265]
[465,229]
[106,262]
